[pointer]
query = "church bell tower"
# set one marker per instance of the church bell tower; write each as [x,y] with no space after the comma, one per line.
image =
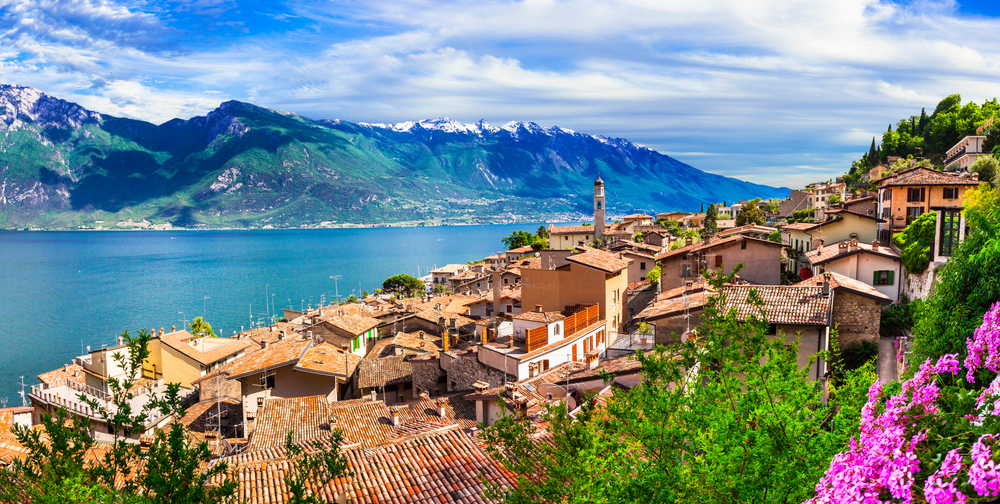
[599,208]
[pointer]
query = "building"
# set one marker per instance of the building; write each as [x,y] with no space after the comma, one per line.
[599,208]
[867,205]
[857,307]
[961,155]
[872,264]
[638,220]
[841,225]
[751,230]
[906,195]
[670,216]
[676,311]
[440,276]
[588,277]
[569,237]
[642,262]
[181,357]
[761,260]
[821,192]
[341,329]
[796,200]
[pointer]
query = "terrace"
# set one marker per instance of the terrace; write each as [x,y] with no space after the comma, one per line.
[67,395]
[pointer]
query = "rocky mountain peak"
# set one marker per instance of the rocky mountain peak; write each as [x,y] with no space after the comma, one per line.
[21,104]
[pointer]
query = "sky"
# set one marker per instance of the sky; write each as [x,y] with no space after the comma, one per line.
[776,92]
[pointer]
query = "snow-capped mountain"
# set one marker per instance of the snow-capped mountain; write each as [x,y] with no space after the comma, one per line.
[243,165]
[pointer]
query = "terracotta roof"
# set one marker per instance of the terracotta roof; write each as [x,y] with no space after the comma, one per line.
[800,226]
[783,304]
[697,285]
[327,359]
[179,341]
[449,268]
[281,353]
[930,178]
[542,317]
[305,417]
[56,377]
[600,260]
[434,317]
[675,306]
[456,408]
[833,252]
[454,303]
[384,371]
[417,341]
[840,282]
[441,467]
[367,423]
[849,212]
[623,364]
[352,323]
[200,417]
[637,216]
[521,250]
[702,245]
[752,228]
[571,230]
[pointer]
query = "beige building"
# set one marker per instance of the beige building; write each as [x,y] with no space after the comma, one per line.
[568,237]
[961,155]
[642,263]
[761,260]
[588,277]
[877,266]
[181,357]
[820,193]
[440,276]
[804,237]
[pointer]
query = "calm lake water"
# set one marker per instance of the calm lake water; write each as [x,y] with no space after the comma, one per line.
[63,291]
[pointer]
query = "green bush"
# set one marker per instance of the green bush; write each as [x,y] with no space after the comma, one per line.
[915,243]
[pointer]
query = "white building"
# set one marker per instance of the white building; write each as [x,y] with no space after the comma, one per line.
[961,155]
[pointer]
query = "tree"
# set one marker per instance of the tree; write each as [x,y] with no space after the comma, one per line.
[403,285]
[711,219]
[702,207]
[729,417]
[364,294]
[992,142]
[750,214]
[542,232]
[775,236]
[654,276]
[872,155]
[201,328]
[915,243]
[312,466]
[988,168]
[517,239]
[966,285]
[835,199]
[440,289]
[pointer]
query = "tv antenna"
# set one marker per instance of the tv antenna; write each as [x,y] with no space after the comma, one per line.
[335,278]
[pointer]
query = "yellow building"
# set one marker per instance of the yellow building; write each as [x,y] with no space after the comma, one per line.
[181,357]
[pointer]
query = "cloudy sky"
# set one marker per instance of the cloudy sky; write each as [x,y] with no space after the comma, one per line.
[777,92]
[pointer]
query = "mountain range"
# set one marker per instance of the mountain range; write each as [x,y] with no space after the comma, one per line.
[65,167]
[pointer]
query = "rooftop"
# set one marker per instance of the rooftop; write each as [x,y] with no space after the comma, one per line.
[840,282]
[277,354]
[706,245]
[541,317]
[600,260]
[352,323]
[834,251]
[327,359]
[306,418]
[571,230]
[383,371]
[203,350]
[929,178]
[783,304]
[449,268]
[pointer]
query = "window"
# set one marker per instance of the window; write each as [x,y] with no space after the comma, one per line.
[586,237]
[949,232]
[915,194]
[685,270]
[510,308]
[912,213]
[743,245]
[505,281]
[598,205]
[267,380]
[574,352]
[642,265]
[545,365]
[884,277]
[555,330]
[950,193]
[718,261]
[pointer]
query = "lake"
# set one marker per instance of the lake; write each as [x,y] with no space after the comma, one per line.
[63,291]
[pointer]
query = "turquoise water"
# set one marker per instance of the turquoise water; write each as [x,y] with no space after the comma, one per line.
[63,291]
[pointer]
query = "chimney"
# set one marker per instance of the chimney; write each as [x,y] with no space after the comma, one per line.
[486,334]
[480,386]
[687,241]
[441,410]
[265,345]
[854,244]
[975,177]
[373,396]
[826,285]
[822,242]
[445,339]
[875,245]
[593,360]
[282,335]
[538,308]
[173,328]
[497,293]
[395,418]
[531,369]
[161,332]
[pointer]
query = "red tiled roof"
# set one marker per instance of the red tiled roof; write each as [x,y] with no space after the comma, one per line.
[179,341]
[702,245]
[57,377]
[327,359]
[305,417]
[783,304]
[355,324]
[542,317]
[833,252]
[384,371]
[600,260]
[571,230]
[840,282]
[930,179]
[675,306]
[280,353]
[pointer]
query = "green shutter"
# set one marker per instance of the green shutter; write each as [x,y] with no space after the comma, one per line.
[892,274]
[875,279]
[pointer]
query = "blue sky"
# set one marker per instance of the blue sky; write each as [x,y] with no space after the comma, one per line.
[776,92]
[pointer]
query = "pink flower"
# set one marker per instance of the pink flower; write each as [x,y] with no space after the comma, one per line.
[940,487]
[983,474]
[984,346]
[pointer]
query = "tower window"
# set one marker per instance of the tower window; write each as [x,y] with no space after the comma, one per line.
[598,205]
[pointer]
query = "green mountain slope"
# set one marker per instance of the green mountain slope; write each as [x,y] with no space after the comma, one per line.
[62,166]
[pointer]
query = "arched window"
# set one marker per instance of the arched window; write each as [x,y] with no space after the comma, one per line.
[598,205]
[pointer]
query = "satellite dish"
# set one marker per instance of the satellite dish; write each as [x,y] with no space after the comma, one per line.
[556,391]
[570,403]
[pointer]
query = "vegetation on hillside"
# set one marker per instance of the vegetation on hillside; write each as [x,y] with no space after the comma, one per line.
[915,243]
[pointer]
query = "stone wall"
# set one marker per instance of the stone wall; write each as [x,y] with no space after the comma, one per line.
[460,371]
[856,318]
[427,375]
[919,285]
[638,300]
[209,389]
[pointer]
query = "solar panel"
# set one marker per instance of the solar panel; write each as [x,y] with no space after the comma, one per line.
[529,387]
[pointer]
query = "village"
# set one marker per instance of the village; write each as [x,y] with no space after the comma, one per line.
[410,381]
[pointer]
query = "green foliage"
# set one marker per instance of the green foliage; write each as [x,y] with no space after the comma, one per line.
[750,214]
[835,199]
[518,239]
[988,169]
[896,317]
[775,236]
[672,227]
[172,470]
[654,275]
[352,299]
[915,243]
[857,354]
[966,285]
[440,288]
[364,294]
[313,465]
[802,216]
[200,328]
[992,142]
[773,206]
[542,232]
[403,285]
[729,418]
[711,219]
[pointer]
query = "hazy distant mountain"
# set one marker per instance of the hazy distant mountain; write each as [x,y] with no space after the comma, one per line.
[62,166]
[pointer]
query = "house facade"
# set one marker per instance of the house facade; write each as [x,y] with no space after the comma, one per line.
[872,264]
[567,237]
[761,260]
[961,155]
[907,195]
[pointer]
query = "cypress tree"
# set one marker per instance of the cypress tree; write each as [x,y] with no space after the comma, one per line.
[890,128]
[702,207]
[923,121]
[872,154]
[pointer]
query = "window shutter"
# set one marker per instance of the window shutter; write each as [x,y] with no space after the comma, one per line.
[923,192]
[892,275]
[875,279]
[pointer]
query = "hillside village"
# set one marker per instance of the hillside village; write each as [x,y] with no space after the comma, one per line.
[412,380]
